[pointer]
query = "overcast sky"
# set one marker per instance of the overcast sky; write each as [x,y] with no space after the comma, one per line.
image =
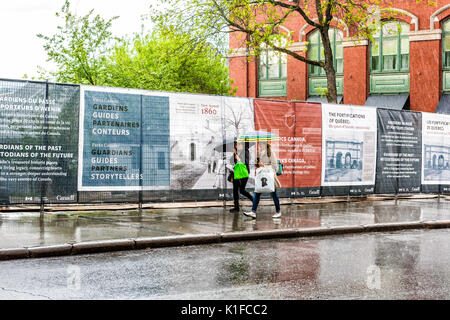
[20,20]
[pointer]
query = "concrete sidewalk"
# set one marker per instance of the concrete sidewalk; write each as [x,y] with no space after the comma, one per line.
[24,234]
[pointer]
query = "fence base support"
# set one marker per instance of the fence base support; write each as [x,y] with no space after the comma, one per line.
[42,210]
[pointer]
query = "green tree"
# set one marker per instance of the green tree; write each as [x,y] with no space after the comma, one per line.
[80,47]
[85,51]
[168,60]
[257,23]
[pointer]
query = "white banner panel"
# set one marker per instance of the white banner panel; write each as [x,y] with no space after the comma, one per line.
[435,149]
[349,142]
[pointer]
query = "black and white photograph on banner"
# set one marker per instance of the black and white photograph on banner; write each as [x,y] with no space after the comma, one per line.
[436,163]
[196,128]
[344,160]
[239,119]
[202,128]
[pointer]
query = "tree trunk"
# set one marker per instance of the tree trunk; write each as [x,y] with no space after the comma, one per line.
[329,67]
[331,84]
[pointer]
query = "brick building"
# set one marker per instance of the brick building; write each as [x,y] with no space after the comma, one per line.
[405,69]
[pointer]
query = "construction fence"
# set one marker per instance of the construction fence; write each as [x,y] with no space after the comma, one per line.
[84,144]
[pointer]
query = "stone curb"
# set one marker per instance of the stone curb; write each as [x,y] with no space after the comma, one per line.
[377,227]
[10,254]
[346,230]
[186,240]
[259,235]
[50,251]
[173,241]
[437,224]
[103,246]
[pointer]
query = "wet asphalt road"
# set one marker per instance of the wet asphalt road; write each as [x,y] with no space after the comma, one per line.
[397,265]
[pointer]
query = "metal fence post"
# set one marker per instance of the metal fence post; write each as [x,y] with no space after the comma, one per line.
[45,143]
[140,164]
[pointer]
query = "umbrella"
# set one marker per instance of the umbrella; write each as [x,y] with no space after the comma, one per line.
[257,136]
[227,145]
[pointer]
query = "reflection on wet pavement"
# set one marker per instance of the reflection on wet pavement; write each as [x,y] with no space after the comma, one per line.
[27,229]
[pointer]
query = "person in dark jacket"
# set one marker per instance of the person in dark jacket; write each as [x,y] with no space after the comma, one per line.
[241,153]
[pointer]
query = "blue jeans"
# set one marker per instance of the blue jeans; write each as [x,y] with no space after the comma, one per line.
[276,201]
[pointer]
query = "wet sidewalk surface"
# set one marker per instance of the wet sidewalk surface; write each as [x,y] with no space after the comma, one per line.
[22,229]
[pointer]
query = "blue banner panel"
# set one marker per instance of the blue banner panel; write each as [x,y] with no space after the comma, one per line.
[155,142]
[125,142]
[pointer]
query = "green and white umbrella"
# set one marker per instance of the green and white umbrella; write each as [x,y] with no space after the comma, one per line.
[228,145]
[258,136]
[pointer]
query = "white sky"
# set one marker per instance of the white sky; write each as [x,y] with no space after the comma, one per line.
[21,51]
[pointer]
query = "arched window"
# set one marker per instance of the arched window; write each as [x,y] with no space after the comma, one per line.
[317,77]
[339,160]
[316,51]
[441,162]
[446,45]
[272,65]
[390,50]
[389,62]
[446,55]
[272,73]
[348,160]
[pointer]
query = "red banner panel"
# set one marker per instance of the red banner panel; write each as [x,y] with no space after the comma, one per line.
[299,127]
[278,117]
[308,148]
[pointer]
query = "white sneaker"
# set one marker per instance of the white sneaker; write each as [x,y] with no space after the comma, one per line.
[250,214]
[277,215]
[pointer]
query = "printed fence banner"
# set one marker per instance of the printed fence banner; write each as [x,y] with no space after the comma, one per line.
[349,148]
[155,144]
[306,165]
[298,126]
[399,152]
[195,130]
[435,153]
[203,129]
[278,118]
[238,119]
[108,143]
[38,142]
[124,140]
